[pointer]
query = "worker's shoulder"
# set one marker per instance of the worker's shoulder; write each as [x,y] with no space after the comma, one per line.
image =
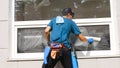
[69,20]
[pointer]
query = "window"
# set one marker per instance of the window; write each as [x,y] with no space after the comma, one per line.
[46,9]
[30,17]
[30,40]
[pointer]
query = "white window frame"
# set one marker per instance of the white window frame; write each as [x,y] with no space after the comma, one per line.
[43,23]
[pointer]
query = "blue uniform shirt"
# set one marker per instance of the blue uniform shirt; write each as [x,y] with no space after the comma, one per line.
[60,32]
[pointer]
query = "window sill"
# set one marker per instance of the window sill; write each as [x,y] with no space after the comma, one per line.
[99,57]
[82,57]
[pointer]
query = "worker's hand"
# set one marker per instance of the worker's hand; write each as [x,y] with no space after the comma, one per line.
[90,40]
[48,43]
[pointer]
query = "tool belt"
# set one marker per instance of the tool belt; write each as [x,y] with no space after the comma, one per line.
[55,45]
[55,49]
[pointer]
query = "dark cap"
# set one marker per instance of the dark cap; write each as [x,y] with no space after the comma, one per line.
[68,10]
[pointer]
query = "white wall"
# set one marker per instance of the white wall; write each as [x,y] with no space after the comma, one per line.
[4,47]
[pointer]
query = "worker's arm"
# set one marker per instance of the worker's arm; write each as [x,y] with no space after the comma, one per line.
[47,33]
[47,49]
[82,38]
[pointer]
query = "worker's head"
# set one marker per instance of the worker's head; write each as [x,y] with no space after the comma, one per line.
[68,12]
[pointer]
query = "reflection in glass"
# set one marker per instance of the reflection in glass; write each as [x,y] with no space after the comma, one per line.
[32,40]
[46,9]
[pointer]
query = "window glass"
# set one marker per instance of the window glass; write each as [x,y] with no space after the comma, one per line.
[31,40]
[46,9]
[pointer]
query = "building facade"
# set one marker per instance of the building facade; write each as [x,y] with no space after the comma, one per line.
[22,40]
